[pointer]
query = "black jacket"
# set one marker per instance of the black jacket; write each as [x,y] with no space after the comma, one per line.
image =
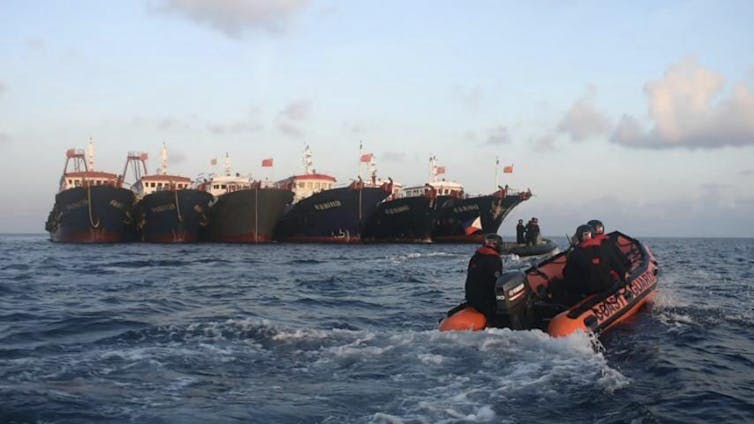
[484,268]
[520,234]
[587,269]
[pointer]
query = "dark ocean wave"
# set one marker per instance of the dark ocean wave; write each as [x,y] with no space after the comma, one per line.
[291,333]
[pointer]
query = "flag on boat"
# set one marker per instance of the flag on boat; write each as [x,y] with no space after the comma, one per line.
[508,169]
[472,226]
[213,161]
[367,157]
[440,170]
[267,162]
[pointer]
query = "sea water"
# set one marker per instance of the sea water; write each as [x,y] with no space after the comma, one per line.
[288,333]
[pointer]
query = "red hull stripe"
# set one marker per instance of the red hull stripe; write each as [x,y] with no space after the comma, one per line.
[90,236]
[173,237]
[244,238]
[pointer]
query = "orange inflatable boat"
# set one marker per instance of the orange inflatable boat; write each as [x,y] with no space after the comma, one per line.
[530,299]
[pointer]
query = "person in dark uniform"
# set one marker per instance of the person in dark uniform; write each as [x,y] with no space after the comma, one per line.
[533,236]
[587,269]
[484,268]
[621,264]
[520,232]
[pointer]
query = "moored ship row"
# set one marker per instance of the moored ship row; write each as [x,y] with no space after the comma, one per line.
[94,207]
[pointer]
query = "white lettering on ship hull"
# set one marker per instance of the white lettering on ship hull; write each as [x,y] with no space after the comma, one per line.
[466,208]
[397,210]
[327,205]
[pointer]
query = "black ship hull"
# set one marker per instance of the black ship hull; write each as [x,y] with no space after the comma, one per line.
[459,219]
[331,216]
[93,214]
[247,216]
[172,216]
[403,220]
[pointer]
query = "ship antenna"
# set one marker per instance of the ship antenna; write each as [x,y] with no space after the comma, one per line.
[307,160]
[164,156]
[90,155]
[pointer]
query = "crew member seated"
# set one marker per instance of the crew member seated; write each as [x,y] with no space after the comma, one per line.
[587,269]
[484,268]
[608,245]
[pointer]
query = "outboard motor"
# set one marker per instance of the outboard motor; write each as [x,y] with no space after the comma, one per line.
[512,293]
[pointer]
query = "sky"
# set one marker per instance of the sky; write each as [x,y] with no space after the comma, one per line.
[640,114]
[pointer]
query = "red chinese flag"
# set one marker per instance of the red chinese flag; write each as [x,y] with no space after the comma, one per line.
[267,162]
[440,170]
[143,156]
[366,157]
[213,162]
[508,169]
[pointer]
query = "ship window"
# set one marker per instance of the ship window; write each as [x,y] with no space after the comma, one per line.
[301,185]
[159,185]
[77,183]
[223,186]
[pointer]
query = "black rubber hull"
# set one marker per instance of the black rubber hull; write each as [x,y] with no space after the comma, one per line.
[404,220]
[173,216]
[455,215]
[522,250]
[331,216]
[247,216]
[96,214]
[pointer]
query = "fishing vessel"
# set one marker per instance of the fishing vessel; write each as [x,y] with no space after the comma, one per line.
[409,214]
[466,219]
[90,206]
[324,213]
[168,208]
[244,210]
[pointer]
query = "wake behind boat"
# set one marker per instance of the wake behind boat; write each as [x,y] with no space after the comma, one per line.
[530,299]
[91,206]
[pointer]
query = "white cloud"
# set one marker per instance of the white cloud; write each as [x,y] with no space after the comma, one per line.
[689,108]
[583,120]
[297,111]
[233,17]
[471,98]
[498,135]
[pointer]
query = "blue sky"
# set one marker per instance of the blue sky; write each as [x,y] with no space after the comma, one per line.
[638,113]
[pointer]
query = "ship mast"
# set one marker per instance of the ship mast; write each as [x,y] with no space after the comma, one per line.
[432,168]
[308,160]
[90,155]
[164,157]
[227,165]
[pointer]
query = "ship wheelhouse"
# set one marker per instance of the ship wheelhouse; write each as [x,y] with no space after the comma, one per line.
[306,185]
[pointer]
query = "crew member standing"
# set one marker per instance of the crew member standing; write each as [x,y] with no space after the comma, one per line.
[520,232]
[533,236]
[485,267]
